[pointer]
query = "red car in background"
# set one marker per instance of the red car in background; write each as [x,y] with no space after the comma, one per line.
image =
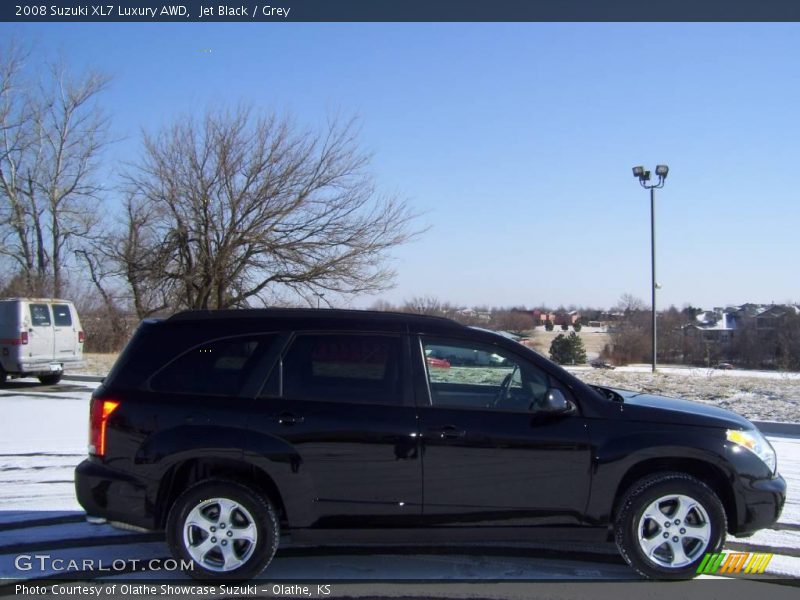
[437,363]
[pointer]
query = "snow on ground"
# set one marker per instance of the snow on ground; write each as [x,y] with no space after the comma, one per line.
[706,372]
[758,395]
[43,436]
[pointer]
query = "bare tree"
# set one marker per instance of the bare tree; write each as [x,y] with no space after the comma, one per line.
[631,335]
[20,239]
[427,305]
[51,135]
[383,306]
[225,211]
[71,131]
[672,335]
[629,303]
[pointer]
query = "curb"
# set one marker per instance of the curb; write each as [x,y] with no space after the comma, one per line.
[90,378]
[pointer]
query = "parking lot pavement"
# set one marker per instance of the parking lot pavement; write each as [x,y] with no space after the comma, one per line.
[43,437]
[126,556]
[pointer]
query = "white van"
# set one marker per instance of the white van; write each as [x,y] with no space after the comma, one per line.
[39,337]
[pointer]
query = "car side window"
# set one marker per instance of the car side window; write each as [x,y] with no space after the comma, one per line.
[40,315]
[480,376]
[365,369]
[218,368]
[61,315]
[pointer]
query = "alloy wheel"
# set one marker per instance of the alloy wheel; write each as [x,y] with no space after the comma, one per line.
[220,534]
[674,530]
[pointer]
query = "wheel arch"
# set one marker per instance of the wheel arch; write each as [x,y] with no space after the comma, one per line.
[712,476]
[186,473]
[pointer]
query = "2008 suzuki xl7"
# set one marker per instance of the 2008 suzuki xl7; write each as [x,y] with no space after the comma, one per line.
[229,428]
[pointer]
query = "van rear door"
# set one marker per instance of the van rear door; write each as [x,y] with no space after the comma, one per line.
[66,334]
[41,337]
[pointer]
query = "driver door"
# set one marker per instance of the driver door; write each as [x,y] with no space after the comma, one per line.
[491,456]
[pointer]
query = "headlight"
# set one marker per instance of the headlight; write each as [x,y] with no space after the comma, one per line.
[754,441]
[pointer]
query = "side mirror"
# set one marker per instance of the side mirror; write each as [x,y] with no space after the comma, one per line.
[556,402]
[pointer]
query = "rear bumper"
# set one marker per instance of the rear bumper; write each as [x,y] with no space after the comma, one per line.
[761,503]
[110,494]
[44,365]
[35,367]
[41,367]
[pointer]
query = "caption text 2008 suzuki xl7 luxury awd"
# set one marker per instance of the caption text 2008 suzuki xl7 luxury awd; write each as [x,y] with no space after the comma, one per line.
[229,429]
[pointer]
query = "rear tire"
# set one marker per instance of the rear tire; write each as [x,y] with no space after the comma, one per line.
[50,379]
[667,523]
[225,529]
[3,376]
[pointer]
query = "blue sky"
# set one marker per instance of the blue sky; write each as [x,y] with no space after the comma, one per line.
[515,140]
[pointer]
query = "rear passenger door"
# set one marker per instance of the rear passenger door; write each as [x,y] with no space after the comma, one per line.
[40,333]
[343,404]
[66,335]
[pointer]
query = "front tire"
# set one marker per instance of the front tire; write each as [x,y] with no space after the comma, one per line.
[666,525]
[225,529]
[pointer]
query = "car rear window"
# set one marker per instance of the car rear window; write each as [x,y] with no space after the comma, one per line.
[40,315]
[216,368]
[61,315]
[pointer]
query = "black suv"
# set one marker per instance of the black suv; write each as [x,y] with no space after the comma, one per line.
[229,429]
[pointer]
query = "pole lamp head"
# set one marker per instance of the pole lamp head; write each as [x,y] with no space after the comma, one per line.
[662,170]
[641,174]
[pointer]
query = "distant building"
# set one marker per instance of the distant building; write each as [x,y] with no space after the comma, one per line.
[774,317]
[717,328]
[540,317]
[714,326]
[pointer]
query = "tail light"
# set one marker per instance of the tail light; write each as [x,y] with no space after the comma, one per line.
[99,412]
[23,338]
[81,337]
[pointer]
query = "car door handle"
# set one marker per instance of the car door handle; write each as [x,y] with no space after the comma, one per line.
[449,432]
[287,418]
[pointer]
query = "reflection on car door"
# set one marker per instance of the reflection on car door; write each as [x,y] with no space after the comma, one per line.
[347,411]
[487,458]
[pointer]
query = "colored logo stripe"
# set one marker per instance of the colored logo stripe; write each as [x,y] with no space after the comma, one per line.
[734,563]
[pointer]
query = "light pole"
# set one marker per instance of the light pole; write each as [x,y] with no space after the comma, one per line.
[320,296]
[644,177]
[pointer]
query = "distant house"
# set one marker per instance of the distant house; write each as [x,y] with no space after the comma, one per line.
[540,317]
[561,317]
[774,317]
[719,326]
[716,326]
[566,318]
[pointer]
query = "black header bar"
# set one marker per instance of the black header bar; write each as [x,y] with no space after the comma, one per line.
[401,11]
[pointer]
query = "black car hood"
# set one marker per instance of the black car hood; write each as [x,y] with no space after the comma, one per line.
[663,409]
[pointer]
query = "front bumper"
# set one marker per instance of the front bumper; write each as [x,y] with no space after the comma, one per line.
[107,493]
[760,504]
